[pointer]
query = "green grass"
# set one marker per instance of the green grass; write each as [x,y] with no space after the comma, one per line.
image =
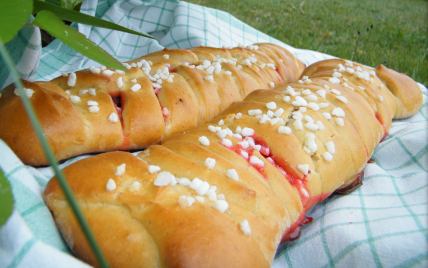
[398,38]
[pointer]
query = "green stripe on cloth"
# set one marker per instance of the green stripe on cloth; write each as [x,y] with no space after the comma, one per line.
[17,258]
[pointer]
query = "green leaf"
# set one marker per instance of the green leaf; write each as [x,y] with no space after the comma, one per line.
[6,203]
[13,15]
[54,2]
[74,16]
[77,41]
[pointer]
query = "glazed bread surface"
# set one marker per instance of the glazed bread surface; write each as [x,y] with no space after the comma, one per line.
[226,193]
[164,93]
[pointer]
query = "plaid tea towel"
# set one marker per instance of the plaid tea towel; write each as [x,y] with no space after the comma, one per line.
[382,224]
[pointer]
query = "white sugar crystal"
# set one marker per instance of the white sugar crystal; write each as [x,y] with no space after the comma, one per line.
[341,67]
[330,147]
[337,74]
[309,119]
[306,92]
[323,105]
[64,74]
[209,163]
[196,183]
[71,81]
[320,125]
[221,205]
[212,195]
[304,168]
[246,131]
[227,142]
[321,93]
[163,179]
[238,130]
[204,140]
[68,92]
[302,109]
[166,56]
[334,80]
[74,99]
[153,169]
[229,73]
[380,98]
[221,197]
[221,122]
[120,170]
[245,227]
[244,154]
[108,72]
[120,71]
[284,130]
[209,78]
[238,116]
[279,112]
[92,103]
[298,124]
[335,91]
[134,80]
[237,136]
[203,188]
[271,105]
[221,133]
[232,174]
[83,92]
[244,144]
[350,70]
[119,82]
[271,84]
[113,118]
[92,92]
[299,101]
[94,70]
[257,147]
[327,115]
[213,128]
[311,126]
[340,122]
[338,112]
[327,156]
[183,181]
[274,121]
[314,106]
[256,161]
[135,186]
[111,185]
[136,87]
[255,112]
[362,88]
[311,98]
[94,109]
[29,92]
[342,99]
[297,115]
[264,119]
[286,98]
[185,201]
[270,113]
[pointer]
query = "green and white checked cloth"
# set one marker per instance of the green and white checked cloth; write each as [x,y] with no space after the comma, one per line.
[382,224]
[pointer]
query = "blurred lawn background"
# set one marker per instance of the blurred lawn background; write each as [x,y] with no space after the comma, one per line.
[391,32]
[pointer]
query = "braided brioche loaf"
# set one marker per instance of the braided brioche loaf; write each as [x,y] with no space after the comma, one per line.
[163,93]
[226,193]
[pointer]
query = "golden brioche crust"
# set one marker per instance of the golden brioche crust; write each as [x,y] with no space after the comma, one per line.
[164,93]
[250,174]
